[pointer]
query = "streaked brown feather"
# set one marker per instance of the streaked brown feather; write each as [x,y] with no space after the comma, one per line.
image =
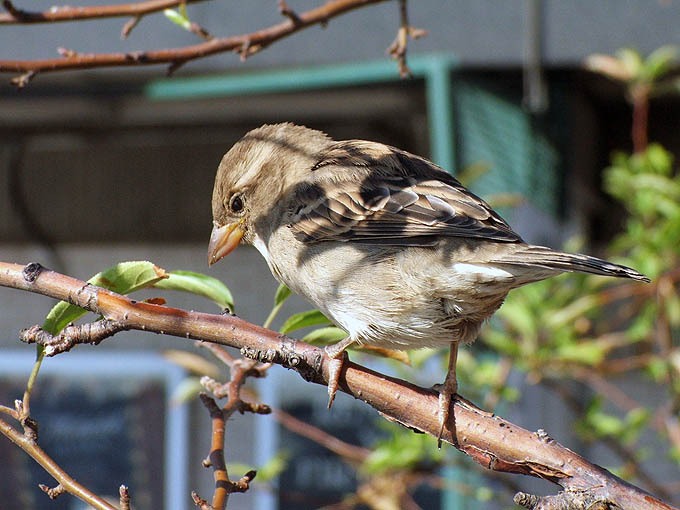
[402,200]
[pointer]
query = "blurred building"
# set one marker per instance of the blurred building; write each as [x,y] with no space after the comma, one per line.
[117,164]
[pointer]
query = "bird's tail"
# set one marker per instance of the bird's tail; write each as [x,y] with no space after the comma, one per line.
[542,257]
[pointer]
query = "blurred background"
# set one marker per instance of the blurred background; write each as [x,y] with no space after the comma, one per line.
[98,167]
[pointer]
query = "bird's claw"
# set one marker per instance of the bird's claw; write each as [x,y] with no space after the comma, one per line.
[334,368]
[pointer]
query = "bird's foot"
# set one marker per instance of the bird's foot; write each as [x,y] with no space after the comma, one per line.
[446,397]
[446,393]
[334,368]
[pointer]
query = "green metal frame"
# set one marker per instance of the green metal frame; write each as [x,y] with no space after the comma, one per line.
[434,69]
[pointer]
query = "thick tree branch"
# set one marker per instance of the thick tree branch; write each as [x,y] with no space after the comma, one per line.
[15,15]
[245,45]
[491,441]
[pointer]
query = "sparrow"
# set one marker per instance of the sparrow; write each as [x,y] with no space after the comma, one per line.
[389,246]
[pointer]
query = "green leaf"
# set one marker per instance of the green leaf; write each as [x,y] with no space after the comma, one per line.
[631,60]
[183,10]
[401,450]
[273,467]
[659,62]
[177,18]
[123,278]
[199,284]
[186,391]
[586,352]
[282,293]
[303,320]
[324,336]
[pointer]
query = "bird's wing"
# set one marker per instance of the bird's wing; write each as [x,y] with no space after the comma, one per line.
[395,199]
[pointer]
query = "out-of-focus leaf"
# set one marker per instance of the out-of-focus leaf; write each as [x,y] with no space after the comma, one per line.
[503,342]
[473,172]
[186,391]
[586,352]
[631,60]
[420,356]
[401,450]
[401,356]
[484,494]
[123,278]
[303,320]
[658,62]
[658,369]
[193,363]
[519,316]
[324,336]
[607,65]
[565,315]
[673,309]
[273,467]
[200,284]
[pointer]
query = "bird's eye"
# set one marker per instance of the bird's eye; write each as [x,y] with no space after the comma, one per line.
[236,203]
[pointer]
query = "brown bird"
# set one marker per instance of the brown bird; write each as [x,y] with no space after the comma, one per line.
[390,247]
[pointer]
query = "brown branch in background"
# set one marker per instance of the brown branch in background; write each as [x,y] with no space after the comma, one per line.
[68,484]
[489,440]
[68,13]
[285,10]
[129,25]
[245,45]
[345,450]
[639,99]
[397,50]
[216,456]
[240,370]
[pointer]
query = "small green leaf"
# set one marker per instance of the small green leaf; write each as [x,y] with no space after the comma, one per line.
[183,10]
[659,62]
[282,293]
[631,61]
[199,284]
[122,278]
[273,467]
[177,18]
[303,320]
[186,391]
[324,336]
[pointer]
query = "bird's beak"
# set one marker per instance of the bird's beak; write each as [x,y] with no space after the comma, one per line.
[223,240]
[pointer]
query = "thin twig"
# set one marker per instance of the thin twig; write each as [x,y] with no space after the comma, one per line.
[397,50]
[285,10]
[68,13]
[345,450]
[64,480]
[245,45]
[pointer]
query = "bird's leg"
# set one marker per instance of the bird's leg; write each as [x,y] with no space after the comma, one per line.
[446,393]
[337,354]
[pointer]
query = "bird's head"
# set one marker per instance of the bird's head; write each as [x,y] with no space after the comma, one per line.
[252,180]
